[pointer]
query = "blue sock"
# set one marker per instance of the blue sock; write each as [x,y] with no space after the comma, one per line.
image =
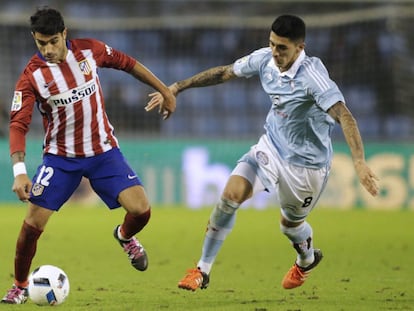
[221,223]
[302,240]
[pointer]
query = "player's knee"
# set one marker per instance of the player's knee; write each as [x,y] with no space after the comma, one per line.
[134,200]
[286,223]
[228,206]
[237,190]
[297,234]
[289,227]
[232,197]
[139,209]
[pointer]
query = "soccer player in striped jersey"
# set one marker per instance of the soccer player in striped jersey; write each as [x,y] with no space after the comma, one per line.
[61,80]
[293,156]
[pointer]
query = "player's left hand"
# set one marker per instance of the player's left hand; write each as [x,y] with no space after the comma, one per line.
[166,106]
[367,177]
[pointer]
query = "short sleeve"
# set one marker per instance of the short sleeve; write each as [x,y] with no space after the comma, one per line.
[320,86]
[250,65]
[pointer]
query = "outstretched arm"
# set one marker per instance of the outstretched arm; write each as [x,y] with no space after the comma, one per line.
[349,126]
[167,106]
[212,76]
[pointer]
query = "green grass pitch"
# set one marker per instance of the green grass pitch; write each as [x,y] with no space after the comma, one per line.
[368,264]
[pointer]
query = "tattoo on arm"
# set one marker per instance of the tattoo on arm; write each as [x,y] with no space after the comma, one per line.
[350,129]
[208,77]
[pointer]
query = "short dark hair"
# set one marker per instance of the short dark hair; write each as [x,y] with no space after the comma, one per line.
[289,26]
[47,21]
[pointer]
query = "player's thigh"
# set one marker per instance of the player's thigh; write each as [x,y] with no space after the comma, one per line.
[54,182]
[37,216]
[134,200]
[109,175]
[299,191]
[243,183]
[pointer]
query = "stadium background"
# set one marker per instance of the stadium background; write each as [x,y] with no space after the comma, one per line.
[365,45]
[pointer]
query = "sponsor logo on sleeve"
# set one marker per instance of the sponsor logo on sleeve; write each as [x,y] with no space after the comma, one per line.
[17,101]
[109,50]
[242,60]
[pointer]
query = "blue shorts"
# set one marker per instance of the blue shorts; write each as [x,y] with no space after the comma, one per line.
[58,177]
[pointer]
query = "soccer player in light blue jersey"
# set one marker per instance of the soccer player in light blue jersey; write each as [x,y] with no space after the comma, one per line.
[293,156]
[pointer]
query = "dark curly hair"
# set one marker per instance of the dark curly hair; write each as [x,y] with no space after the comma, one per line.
[289,26]
[47,21]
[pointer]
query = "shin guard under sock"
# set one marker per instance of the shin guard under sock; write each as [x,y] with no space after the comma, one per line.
[220,224]
[25,251]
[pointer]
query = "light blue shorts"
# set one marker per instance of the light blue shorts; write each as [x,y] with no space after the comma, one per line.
[298,188]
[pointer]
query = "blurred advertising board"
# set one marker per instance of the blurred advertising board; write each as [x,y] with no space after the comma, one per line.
[193,173]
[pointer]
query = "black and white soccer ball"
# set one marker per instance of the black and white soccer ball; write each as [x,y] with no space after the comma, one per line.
[48,285]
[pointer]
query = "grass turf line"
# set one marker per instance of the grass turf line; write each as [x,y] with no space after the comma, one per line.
[368,262]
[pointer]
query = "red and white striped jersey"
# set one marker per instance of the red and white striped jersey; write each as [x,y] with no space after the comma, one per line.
[70,98]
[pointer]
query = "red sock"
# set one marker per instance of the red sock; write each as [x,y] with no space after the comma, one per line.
[134,224]
[25,251]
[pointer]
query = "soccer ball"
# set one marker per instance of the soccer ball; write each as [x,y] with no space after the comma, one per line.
[48,285]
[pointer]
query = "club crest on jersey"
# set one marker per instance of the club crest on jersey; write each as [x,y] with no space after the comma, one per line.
[37,189]
[242,60]
[85,67]
[262,158]
[17,101]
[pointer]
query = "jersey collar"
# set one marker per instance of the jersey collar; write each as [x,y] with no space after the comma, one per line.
[291,73]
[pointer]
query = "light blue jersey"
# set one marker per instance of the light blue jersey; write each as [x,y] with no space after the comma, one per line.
[297,124]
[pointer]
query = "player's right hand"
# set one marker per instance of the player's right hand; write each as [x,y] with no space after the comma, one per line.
[367,177]
[21,186]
